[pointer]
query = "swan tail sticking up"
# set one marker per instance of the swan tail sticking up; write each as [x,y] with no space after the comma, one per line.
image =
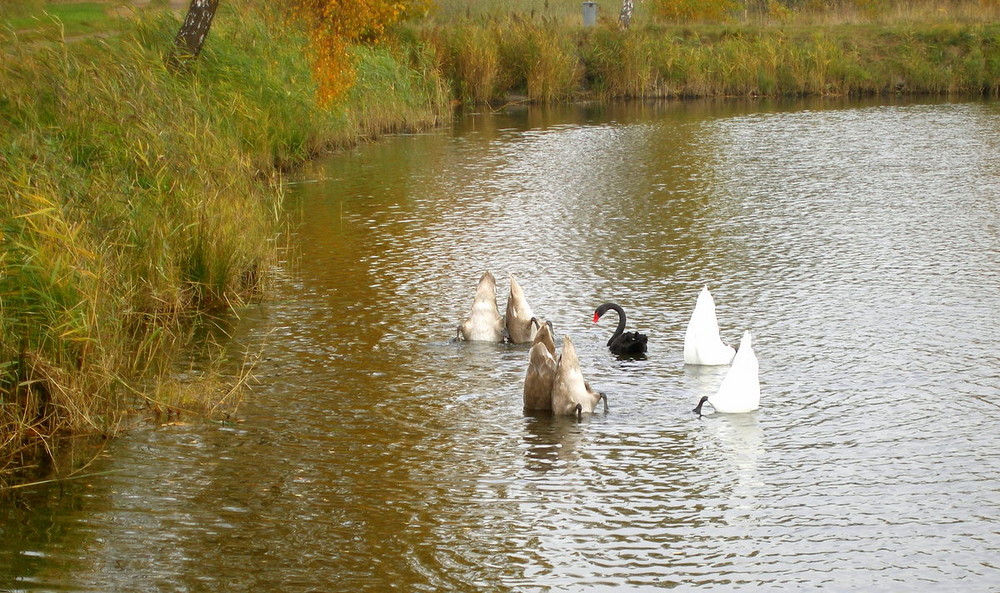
[569,390]
[740,388]
[702,342]
[518,316]
[541,373]
[484,323]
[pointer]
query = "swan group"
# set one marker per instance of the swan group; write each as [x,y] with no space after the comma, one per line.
[740,389]
[554,382]
[485,324]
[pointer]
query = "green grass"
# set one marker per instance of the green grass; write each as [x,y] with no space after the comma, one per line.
[74,19]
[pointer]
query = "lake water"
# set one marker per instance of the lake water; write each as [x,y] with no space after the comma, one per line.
[860,243]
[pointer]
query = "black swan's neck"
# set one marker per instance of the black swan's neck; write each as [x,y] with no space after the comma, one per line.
[701,403]
[621,318]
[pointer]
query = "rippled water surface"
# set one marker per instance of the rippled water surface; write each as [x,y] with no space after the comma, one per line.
[859,243]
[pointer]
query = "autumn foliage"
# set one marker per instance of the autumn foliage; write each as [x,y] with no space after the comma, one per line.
[336,25]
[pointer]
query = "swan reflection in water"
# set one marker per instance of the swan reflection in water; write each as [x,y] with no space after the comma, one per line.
[730,446]
[552,441]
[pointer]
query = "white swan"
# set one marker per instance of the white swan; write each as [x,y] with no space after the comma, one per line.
[571,394]
[520,329]
[484,323]
[702,344]
[541,371]
[740,389]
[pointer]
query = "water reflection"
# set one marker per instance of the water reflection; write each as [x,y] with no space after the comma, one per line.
[857,242]
[552,442]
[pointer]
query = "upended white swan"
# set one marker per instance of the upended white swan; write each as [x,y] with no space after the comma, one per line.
[740,388]
[520,328]
[484,323]
[702,343]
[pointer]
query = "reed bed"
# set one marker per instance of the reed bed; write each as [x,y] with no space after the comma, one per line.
[134,201]
[498,60]
[493,51]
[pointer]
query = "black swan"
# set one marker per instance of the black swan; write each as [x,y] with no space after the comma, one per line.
[622,342]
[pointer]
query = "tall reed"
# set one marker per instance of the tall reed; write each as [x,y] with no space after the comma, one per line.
[491,53]
[545,64]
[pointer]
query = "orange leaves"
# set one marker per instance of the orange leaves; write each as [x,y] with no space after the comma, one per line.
[334,25]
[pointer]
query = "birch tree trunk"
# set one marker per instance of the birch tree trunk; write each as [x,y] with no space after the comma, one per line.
[190,38]
[625,17]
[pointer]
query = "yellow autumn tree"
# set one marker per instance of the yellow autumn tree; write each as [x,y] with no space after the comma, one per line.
[336,25]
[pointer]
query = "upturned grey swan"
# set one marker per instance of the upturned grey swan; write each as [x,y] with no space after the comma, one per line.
[622,342]
[740,388]
[484,323]
[520,329]
[571,394]
[702,344]
[541,371]
[548,338]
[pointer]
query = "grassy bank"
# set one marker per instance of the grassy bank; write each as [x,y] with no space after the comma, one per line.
[133,200]
[494,59]
[491,50]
